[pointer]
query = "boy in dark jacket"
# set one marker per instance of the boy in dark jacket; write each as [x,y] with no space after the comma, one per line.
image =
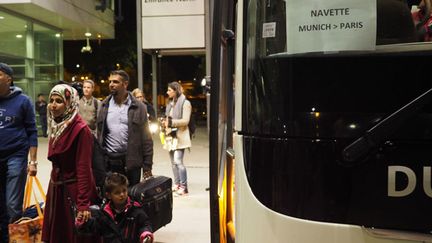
[120,219]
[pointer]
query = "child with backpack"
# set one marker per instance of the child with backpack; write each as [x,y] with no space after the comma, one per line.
[120,219]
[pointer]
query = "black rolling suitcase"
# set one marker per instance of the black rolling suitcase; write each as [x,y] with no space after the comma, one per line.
[155,194]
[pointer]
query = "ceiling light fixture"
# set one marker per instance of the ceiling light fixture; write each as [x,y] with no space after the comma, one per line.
[87,48]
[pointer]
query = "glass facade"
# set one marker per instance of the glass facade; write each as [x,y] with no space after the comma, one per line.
[34,50]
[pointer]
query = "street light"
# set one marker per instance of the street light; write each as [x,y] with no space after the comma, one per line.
[205,83]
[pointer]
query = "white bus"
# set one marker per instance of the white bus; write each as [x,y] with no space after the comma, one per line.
[321,121]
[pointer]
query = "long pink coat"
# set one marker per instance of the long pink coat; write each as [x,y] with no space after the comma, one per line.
[71,158]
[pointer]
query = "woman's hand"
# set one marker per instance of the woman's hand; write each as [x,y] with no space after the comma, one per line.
[165,123]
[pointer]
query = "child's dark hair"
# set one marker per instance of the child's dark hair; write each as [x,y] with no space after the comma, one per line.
[114,180]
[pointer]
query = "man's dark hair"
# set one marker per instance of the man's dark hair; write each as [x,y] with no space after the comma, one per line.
[121,73]
[114,180]
[40,94]
[76,85]
[79,87]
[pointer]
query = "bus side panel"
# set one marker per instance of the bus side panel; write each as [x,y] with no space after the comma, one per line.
[257,223]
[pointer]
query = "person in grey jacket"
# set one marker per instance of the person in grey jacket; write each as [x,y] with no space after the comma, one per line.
[89,105]
[123,131]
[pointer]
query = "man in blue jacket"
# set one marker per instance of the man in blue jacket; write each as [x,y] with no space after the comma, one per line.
[18,138]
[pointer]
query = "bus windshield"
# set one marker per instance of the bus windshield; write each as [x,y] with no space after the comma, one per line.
[317,77]
[331,62]
[328,27]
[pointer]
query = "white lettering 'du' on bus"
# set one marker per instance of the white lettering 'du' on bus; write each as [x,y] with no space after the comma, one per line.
[411,181]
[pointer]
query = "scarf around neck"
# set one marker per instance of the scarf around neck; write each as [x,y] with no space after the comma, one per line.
[177,109]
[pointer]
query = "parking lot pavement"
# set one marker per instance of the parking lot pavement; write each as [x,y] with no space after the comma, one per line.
[191,213]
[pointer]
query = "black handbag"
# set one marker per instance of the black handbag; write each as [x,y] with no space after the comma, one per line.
[155,195]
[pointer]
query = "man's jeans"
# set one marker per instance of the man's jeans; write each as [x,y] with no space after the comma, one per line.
[13,175]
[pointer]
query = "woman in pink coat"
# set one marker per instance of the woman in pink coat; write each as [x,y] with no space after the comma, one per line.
[70,151]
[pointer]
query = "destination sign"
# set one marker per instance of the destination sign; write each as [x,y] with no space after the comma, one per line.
[328,26]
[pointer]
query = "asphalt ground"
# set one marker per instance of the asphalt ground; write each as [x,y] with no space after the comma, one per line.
[191,213]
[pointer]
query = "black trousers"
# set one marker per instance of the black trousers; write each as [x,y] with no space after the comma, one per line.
[43,122]
[116,162]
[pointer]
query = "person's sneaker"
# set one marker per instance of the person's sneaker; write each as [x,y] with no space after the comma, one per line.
[182,191]
[175,187]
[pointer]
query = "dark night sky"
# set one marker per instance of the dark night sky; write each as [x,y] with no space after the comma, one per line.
[122,50]
[106,52]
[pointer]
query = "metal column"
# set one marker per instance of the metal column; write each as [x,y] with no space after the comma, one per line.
[139,46]
[154,82]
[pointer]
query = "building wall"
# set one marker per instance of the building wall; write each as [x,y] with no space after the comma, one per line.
[74,16]
[32,34]
[172,24]
[34,51]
